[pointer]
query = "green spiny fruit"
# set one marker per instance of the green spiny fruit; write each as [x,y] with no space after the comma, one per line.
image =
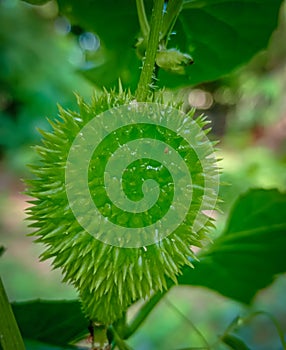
[108,277]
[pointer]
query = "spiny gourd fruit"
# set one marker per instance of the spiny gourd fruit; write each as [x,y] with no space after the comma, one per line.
[110,278]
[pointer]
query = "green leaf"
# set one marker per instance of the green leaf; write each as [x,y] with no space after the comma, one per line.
[34,345]
[221,35]
[251,251]
[52,322]
[234,342]
[116,24]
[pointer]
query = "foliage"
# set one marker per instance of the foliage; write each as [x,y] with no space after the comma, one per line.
[35,75]
[219,35]
[198,32]
[52,322]
[238,254]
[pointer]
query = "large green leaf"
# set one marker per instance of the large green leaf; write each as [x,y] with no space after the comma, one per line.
[116,24]
[222,35]
[34,345]
[52,322]
[251,251]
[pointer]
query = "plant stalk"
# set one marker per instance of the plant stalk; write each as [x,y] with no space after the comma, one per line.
[144,25]
[143,313]
[118,341]
[151,51]
[10,336]
[198,332]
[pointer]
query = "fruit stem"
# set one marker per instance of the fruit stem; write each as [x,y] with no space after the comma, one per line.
[145,79]
[10,336]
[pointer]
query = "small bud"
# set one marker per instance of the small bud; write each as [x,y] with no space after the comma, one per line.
[173,60]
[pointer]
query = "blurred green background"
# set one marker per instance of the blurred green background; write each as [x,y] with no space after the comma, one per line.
[41,62]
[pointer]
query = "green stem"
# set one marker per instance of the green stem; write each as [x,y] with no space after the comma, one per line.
[151,51]
[121,325]
[118,341]
[10,337]
[143,313]
[199,333]
[173,10]
[231,327]
[144,25]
